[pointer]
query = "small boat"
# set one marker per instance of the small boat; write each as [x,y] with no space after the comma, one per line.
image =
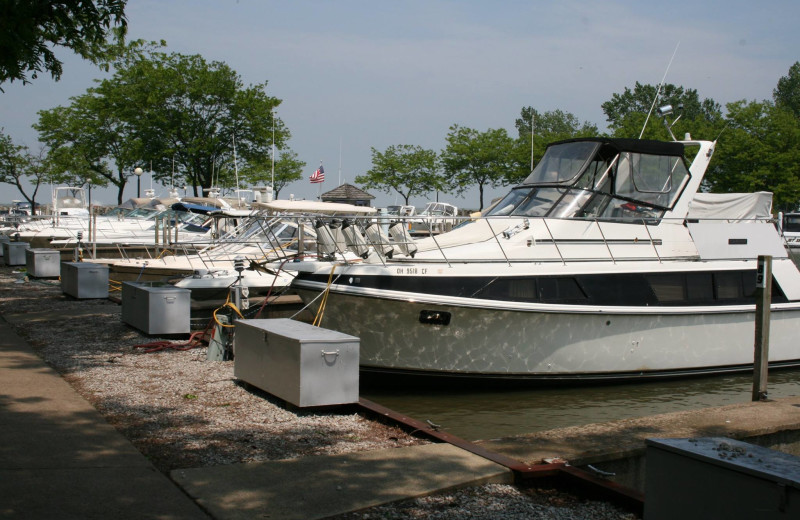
[605,264]
[435,218]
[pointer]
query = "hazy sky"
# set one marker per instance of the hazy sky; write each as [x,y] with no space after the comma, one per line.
[378,73]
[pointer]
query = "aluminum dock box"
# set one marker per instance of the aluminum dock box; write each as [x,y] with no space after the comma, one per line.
[297,362]
[84,280]
[715,477]
[14,252]
[156,307]
[43,263]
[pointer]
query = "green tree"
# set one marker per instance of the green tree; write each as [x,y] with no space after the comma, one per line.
[628,112]
[32,28]
[90,138]
[787,93]
[482,159]
[758,151]
[548,127]
[288,168]
[20,167]
[406,169]
[184,109]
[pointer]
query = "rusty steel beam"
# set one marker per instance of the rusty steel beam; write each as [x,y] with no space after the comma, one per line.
[557,471]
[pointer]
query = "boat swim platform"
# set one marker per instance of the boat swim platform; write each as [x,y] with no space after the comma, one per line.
[59,458]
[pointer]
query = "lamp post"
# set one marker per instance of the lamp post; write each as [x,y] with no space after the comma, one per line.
[89,185]
[138,172]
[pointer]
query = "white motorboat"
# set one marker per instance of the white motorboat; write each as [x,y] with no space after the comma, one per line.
[437,217]
[789,226]
[283,231]
[604,264]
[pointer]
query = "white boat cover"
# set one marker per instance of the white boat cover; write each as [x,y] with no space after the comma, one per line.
[311,206]
[731,206]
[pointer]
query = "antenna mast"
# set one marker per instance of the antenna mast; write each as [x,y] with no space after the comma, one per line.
[531,138]
[273,148]
[658,90]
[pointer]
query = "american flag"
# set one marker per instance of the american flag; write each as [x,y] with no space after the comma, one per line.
[318,176]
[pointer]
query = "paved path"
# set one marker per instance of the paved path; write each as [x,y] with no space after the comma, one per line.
[59,459]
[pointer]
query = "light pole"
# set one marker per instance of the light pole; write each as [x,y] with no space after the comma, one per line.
[138,172]
[89,185]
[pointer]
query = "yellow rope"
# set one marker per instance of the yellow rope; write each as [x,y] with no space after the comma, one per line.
[114,285]
[318,318]
[232,306]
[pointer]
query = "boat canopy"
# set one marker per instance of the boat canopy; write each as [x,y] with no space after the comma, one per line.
[601,178]
[194,208]
[731,206]
[310,206]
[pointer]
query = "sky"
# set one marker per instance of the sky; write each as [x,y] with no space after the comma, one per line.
[355,74]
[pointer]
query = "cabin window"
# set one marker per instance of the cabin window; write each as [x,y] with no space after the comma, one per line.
[734,285]
[669,287]
[512,289]
[560,290]
[699,287]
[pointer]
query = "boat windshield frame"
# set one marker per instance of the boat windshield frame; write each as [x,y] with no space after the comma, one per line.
[611,182]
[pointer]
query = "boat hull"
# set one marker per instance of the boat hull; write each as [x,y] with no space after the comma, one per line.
[403,336]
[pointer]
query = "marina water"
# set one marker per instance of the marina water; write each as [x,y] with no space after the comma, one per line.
[490,414]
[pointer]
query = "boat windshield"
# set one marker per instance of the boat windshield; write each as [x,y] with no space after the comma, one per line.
[597,180]
[791,222]
[437,209]
[562,162]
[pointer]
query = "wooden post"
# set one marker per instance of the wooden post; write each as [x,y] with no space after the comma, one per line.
[761,354]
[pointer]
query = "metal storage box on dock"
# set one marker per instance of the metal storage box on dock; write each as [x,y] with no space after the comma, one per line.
[715,477]
[14,252]
[297,362]
[156,307]
[43,263]
[84,280]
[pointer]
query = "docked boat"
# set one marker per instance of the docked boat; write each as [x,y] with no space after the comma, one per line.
[606,263]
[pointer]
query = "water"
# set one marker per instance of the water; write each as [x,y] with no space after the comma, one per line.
[488,414]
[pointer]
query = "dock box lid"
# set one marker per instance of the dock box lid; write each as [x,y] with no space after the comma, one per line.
[299,330]
[736,455]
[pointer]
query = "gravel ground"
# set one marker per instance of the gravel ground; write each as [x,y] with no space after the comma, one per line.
[182,411]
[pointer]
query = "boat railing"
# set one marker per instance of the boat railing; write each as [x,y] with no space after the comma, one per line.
[492,239]
[566,239]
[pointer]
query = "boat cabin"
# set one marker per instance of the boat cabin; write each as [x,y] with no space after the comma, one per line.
[614,179]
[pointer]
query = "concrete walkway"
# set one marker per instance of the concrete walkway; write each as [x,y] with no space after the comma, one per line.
[60,459]
[318,487]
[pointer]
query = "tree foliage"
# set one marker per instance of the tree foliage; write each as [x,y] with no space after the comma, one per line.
[176,115]
[20,167]
[759,151]
[405,169]
[187,110]
[787,94]
[31,28]
[480,159]
[548,127]
[630,112]
[288,168]
[90,140]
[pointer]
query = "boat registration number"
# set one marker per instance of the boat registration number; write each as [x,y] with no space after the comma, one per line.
[412,270]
